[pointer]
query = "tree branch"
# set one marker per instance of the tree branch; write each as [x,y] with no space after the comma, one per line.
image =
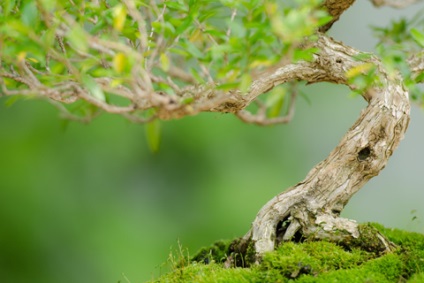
[189,100]
[335,8]
[312,207]
[416,63]
[394,3]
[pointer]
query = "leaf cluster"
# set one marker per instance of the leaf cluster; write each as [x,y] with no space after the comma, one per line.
[398,42]
[158,46]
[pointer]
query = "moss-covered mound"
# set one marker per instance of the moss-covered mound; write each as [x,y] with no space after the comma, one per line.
[313,262]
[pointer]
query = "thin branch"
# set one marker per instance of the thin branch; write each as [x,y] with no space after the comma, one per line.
[29,74]
[105,106]
[66,114]
[233,15]
[179,73]
[138,17]
[160,40]
[394,3]
[416,63]
[138,119]
[335,8]
[16,78]
[261,119]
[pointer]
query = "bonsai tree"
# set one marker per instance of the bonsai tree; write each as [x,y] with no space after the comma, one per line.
[157,60]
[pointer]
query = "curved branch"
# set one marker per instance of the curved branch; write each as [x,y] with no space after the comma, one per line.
[394,3]
[335,8]
[312,206]
[416,63]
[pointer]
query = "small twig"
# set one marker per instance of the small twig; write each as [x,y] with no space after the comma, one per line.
[208,35]
[261,119]
[394,3]
[66,114]
[17,78]
[103,105]
[159,40]
[137,119]
[138,17]
[34,70]
[171,83]
[233,15]
[120,90]
[61,44]
[207,73]
[181,74]
[32,78]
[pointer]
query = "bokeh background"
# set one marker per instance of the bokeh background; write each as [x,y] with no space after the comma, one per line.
[91,203]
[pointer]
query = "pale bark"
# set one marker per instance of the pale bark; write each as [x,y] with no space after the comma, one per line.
[394,3]
[309,209]
[335,8]
[312,207]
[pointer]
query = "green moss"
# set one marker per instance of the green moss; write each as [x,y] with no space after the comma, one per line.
[218,252]
[318,262]
[417,278]
[206,273]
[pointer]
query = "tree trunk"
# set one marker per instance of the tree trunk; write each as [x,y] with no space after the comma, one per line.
[311,208]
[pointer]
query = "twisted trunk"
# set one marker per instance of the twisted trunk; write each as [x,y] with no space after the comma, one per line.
[312,207]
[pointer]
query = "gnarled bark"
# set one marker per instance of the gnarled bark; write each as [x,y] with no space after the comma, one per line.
[312,207]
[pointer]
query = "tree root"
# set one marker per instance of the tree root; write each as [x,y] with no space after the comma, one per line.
[242,252]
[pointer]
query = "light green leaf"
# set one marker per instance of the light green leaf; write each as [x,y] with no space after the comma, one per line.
[30,15]
[77,38]
[197,76]
[7,7]
[275,101]
[418,36]
[12,100]
[94,89]
[153,135]
[245,82]
[192,49]
[49,5]
[120,62]
[164,62]
[119,17]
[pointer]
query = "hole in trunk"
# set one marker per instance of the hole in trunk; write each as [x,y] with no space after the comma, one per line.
[336,211]
[364,153]
[281,231]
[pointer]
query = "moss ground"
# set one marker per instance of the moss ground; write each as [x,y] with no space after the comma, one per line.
[318,262]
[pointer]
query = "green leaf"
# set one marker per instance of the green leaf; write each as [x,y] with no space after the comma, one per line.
[77,38]
[120,62]
[7,7]
[420,78]
[175,5]
[198,77]
[164,62]
[94,89]
[188,22]
[275,102]
[49,5]
[418,36]
[192,49]
[245,82]
[30,16]
[227,86]
[305,54]
[324,20]
[12,100]
[119,17]
[153,135]
[187,100]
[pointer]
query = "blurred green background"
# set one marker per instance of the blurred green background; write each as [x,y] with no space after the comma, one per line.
[91,203]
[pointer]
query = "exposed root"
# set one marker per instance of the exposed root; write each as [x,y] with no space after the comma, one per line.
[243,252]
